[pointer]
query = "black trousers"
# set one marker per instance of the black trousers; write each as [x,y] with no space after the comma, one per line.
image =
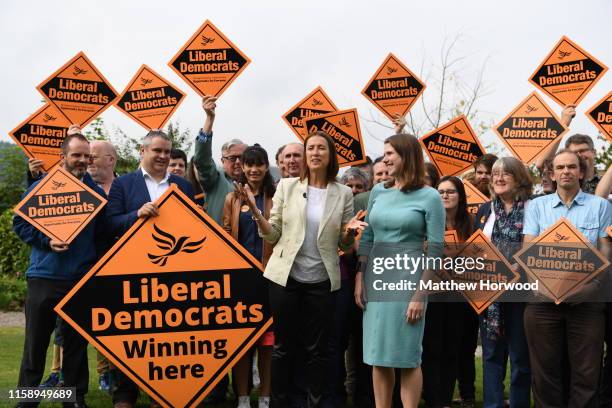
[302,313]
[468,341]
[42,296]
[440,352]
[551,331]
[605,392]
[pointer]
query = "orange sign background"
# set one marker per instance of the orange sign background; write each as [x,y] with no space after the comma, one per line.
[78,90]
[149,99]
[452,147]
[314,104]
[561,284]
[209,62]
[474,197]
[343,127]
[601,116]
[530,128]
[40,136]
[567,73]
[182,248]
[60,189]
[393,88]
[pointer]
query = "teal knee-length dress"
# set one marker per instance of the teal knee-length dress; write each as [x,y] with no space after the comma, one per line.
[397,221]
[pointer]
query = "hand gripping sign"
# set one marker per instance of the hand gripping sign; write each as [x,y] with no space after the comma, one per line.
[41,135]
[209,62]
[78,90]
[567,73]
[562,260]
[530,128]
[314,104]
[149,99]
[175,303]
[60,205]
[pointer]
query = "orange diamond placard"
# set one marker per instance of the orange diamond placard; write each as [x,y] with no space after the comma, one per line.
[78,90]
[568,73]
[60,205]
[40,136]
[149,99]
[174,304]
[530,128]
[209,62]
[453,147]
[474,197]
[314,104]
[601,116]
[393,88]
[483,286]
[343,127]
[561,260]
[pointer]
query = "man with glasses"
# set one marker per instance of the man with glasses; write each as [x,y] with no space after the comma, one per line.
[102,163]
[216,185]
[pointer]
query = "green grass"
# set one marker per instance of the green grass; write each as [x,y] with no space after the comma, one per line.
[11,345]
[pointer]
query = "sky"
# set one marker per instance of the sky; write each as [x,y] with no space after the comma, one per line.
[296,46]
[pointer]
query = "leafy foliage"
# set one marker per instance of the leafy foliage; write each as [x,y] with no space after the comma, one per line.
[13,167]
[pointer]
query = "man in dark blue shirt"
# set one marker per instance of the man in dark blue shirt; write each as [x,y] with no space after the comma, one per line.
[54,269]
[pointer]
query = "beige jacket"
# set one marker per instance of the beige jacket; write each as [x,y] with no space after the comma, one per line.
[288,220]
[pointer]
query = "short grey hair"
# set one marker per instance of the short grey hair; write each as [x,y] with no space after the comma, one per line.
[355,172]
[231,143]
[146,141]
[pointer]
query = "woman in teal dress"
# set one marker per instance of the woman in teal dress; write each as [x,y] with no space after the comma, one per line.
[403,214]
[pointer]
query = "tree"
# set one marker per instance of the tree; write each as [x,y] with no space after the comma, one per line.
[456,90]
[13,168]
[181,139]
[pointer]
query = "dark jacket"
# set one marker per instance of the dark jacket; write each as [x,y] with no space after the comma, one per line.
[128,193]
[82,253]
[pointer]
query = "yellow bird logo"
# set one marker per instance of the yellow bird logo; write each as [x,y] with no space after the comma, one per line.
[168,242]
[207,40]
[48,118]
[530,109]
[563,54]
[78,71]
[343,122]
[457,131]
[558,237]
[57,185]
[391,70]
[145,81]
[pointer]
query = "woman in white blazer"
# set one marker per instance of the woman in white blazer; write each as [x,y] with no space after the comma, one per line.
[311,217]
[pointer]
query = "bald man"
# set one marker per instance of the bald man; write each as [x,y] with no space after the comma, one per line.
[293,159]
[103,159]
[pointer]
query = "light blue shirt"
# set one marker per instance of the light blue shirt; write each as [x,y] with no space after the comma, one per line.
[589,213]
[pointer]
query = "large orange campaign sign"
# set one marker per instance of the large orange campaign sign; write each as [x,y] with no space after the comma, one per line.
[343,127]
[562,260]
[530,128]
[567,73]
[393,88]
[484,286]
[60,205]
[601,115]
[78,90]
[175,303]
[453,147]
[474,197]
[149,99]
[40,136]
[314,104]
[209,62]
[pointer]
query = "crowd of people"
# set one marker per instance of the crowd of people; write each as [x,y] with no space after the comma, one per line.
[315,233]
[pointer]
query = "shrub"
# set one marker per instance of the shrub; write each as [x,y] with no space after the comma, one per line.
[14,253]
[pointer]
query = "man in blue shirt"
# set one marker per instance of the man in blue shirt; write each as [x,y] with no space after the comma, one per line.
[54,269]
[575,328]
